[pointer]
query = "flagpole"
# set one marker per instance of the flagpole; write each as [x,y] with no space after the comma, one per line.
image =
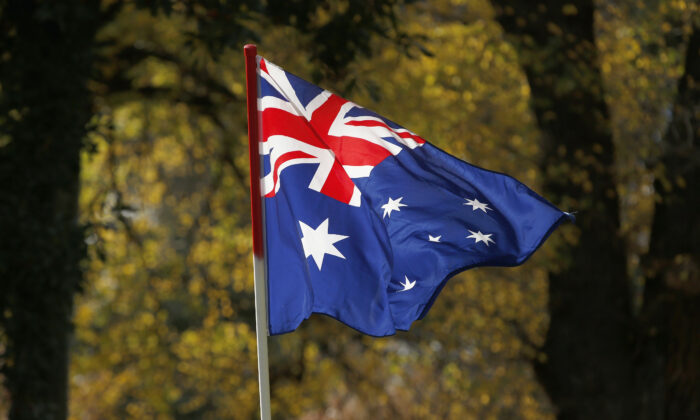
[257,215]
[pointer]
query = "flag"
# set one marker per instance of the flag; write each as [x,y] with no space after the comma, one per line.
[365,221]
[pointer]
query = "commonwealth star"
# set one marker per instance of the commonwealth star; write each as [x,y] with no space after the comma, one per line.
[318,242]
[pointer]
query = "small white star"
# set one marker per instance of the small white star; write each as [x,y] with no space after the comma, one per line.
[477,205]
[481,237]
[392,205]
[318,242]
[408,285]
[432,238]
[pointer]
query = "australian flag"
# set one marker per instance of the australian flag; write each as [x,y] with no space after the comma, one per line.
[365,221]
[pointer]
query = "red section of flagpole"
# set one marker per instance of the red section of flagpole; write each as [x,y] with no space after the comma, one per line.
[256,211]
[254,147]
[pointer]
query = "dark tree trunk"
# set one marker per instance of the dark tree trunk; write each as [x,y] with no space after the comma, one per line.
[671,313]
[45,62]
[587,370]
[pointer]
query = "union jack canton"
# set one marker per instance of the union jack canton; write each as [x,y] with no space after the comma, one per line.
[365,221]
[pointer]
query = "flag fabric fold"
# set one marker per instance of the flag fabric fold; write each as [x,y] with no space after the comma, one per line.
[365,221]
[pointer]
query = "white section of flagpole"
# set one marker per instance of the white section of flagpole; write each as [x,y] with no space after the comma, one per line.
[260,275]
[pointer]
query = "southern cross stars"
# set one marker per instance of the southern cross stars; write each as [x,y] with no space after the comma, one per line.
[318,242]
[432,238]
[477,205]
[481,237]
[392,205]
[408,285]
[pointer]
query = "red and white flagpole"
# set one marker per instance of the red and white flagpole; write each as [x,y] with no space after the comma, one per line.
[257,215]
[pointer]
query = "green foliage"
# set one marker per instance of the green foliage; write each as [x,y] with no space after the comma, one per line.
[335,33]
[165,326]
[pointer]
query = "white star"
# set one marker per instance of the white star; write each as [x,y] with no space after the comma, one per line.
[477,205]
[408,285]
[432,238]
[480,237]
[318,242]
[392,205]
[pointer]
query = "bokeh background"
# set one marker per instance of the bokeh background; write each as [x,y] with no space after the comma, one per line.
[135,111]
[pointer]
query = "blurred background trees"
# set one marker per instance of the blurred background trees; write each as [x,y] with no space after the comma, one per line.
[595,104]
[606,357]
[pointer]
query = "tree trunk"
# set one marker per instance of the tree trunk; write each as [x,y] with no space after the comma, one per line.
[46,60]
[587,370]
[671,312]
